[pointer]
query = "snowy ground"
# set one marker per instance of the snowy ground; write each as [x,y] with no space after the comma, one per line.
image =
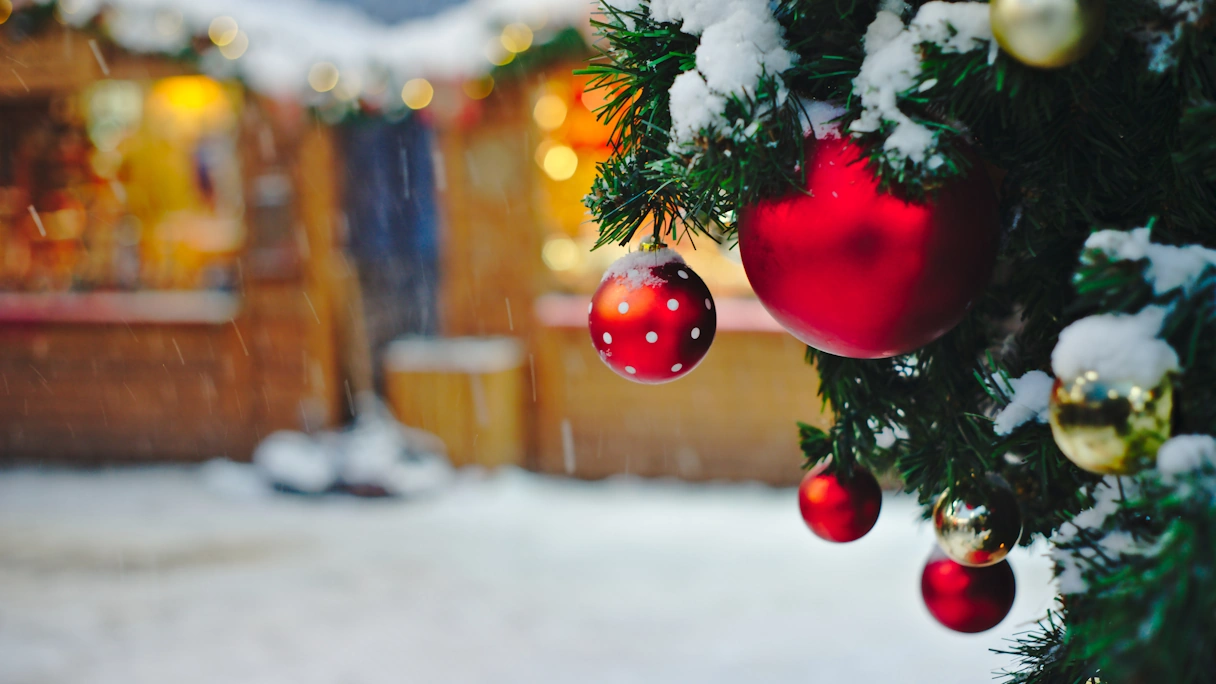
[159,575]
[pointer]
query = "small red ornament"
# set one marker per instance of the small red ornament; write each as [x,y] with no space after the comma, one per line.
[966,599]
[857,272]
[837,509]
[652,318]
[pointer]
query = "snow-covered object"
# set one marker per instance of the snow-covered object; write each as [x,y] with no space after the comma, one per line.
[453,354]
[297,461]
[380,452]
[892,66]
[287,37]
[1072,562]
[1169,267]
[1186,454]
[1160,43]
[1031,394]
[1118,347]
[821,119]
[638,268]
[741,41]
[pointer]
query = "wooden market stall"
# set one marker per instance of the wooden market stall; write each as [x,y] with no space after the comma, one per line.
[169,283]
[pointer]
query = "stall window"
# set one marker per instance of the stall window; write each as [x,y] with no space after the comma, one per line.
[126,185]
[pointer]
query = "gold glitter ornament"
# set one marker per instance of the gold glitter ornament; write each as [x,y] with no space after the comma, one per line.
[978,528]
[1048,34]
[1109,427]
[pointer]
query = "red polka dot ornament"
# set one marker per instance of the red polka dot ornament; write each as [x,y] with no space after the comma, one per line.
[652,318]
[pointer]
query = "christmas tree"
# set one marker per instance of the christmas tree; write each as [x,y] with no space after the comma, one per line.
[991,224]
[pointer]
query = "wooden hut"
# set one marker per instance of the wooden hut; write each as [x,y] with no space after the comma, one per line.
[170,277]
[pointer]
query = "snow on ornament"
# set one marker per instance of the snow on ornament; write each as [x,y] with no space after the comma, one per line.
[1113,398]
[652,319]
[857,272]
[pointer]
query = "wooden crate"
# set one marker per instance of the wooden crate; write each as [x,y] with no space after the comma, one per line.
[469,391]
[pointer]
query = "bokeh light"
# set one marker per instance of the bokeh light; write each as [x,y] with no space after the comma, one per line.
[223,30]
[237,47]
[497,54]
[323,76]
[516,37]
[479,88]
[549,112]
[561,253]
[417,93]
[560,162]
[6,10]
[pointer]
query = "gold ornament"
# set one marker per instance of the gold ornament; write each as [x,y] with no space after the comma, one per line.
[1110,428]
[6,10]
[977,529]
[1047,33]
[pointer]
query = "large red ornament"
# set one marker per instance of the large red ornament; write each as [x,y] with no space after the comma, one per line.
[967,599]
[652,318]
[857,272]
[838,509]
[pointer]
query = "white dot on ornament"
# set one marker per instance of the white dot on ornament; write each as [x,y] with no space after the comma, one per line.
[630,370]
[834,194]
[676,368]
[682,273]
[696,332]
[607,338]
[589,305]
[707,304]
[652,337]
[623,307]
[673,304]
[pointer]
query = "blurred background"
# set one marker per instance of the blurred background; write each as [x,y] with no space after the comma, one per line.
[297,384]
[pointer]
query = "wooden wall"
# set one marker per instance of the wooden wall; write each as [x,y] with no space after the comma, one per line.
[734,417]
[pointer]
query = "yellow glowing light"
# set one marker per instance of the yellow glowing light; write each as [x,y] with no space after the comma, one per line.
[237,47]
[516,37]
[323,76]
[497,54]
[69,6]
[561,253]
[6,10]
[560,162]
[188,105]
[417,93]
[223,30]
[168,22]
[477,88]
[549,112]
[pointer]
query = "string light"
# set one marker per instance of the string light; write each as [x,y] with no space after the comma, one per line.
[223,30]
[417,93]
[323,76]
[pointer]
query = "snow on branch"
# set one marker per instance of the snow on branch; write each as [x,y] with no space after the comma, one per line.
[1118,347]
[892,67]
[1169,267]
[1031,394]
[741,43]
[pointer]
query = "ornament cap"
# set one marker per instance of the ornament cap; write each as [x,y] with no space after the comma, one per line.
[651,244]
